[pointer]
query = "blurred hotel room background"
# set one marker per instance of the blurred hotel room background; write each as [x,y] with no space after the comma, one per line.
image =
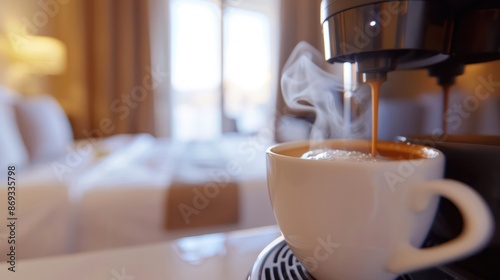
[212,74]
[109,105]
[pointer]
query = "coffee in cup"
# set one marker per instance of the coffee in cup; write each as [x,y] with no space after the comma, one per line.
[349,219]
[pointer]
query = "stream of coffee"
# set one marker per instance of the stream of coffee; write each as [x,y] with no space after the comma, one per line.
[446,96]
[375,86]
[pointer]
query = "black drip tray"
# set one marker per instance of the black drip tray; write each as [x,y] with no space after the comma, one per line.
[277,262]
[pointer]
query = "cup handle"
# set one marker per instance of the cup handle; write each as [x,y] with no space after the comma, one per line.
[476,233]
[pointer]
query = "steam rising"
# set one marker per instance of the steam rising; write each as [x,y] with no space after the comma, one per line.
[309,85]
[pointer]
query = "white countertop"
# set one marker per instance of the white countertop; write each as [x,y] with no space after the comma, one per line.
[215,256]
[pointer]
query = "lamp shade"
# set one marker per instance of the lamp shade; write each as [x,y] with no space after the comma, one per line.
[41,55]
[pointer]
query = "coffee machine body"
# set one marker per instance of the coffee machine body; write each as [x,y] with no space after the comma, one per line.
[383,36]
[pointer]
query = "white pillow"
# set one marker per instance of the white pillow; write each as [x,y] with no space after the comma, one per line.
[7,95]
[12,149]
[44,126]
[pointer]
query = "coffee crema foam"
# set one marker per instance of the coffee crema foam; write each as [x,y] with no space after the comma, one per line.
[343,155]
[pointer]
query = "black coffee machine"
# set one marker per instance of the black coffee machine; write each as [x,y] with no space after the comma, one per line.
[382,36]
[442,36]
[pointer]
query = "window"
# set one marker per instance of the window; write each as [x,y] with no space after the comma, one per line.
[223,65]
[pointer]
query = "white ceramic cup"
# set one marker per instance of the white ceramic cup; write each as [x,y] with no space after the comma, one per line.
[366,220]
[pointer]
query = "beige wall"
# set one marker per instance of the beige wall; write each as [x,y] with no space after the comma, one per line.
[70,88]
[19,19]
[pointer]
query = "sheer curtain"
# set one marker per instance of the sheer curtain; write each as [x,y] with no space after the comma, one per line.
[300,21]
[224,56]
[108,86]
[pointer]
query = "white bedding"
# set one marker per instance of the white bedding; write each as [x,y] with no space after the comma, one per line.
[44,221]
[111,193]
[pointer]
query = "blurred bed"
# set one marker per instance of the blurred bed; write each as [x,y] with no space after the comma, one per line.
[120,190]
